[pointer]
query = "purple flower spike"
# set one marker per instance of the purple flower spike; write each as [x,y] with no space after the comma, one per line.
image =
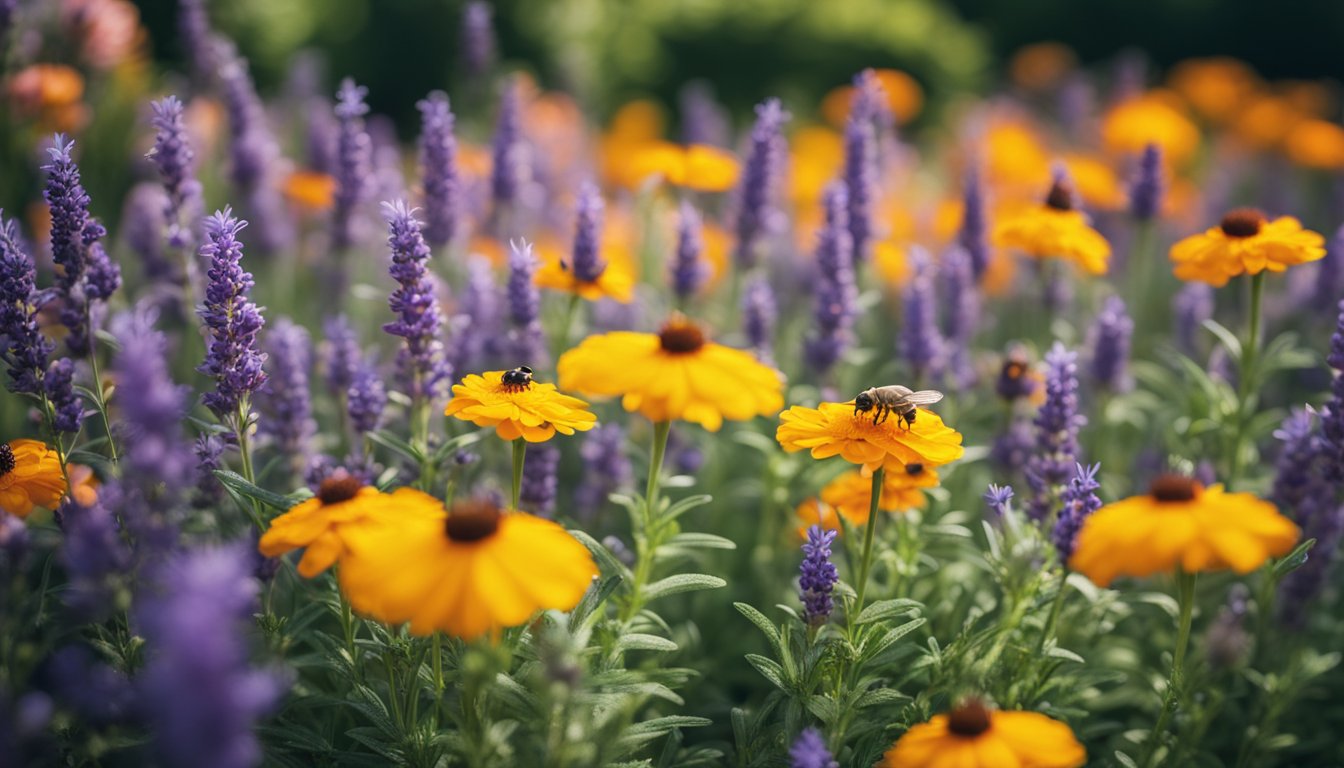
[834,291]
[1149,185]
[1079,501]
[759,313]
[586,262]
[354,164]
[1057,423]
[253,153]
[809,751]
[960,296]
[478,38]
[511,170]
[1193,304]
[688,271]
[232,320]
[421,363]
[526,342]
[760,177]
[1109,341]
[1330,274]
[541,479]
[606,468]
[1332,418]
[286,398]
[85,273]
[999,499]
[921,343]
[974,232]
[176,162]
[817,576]
[157,457]
[438,170]
[861,160]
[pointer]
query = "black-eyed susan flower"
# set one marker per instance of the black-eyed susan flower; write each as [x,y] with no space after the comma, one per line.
[320,524]
[1180,523]
[851,493]
[1055,229]
[974,736]
[517,406]
[675,374]
[1244,242]
[470,571]
[30,476]
[835,429]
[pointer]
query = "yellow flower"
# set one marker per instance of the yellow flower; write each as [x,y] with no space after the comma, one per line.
[1180,523]
[851,494]
[817,155]
[474,570]
[1245,243]
[1215,87]
[1316,144]
[30,476]
[617,280]
[835,429]
[516,406]
[320,524]
[697,166]
[1153,118]
[675,374]
[974,736]
[891,263]
[1055,229]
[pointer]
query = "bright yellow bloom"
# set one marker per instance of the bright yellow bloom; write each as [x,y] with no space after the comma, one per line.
[974,736]
[851,494]
[1097,182]
[1215,87]
[468,572]
[1181,524]
[835,429]
[1055,230]
[1154,118]
[817,155]
[30,476]
[1245,243]
[518,407]
[892,264]
[320,524]
[614,282]
[1266,121]
[697,166]
[675,374]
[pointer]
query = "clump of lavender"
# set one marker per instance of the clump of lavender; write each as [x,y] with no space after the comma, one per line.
[759,313]
[1109,342]
[541,479]
[861,160]
[232,321]
[366,398]
[817,576]
[688,270]
[339,354]
[142,229]
[526,342]
[478,38]
[198,691]
[809,751]
[354,164]
[511,169]
[93,552]
[1303,489]
[606,468]
[286,399]
[438,169]
[172,155]
[974,233]
[833,300]
[586,262]
[253,153]
[920,342]
[1057,424]
[1193,304]
[421,362]
[961,319]
[86,275]
[760,177]
[1078,501]
[1148,185]
[209,452]
[59,386]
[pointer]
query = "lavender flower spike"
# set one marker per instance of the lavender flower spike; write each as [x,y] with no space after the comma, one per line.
[421,363]
[157,457]
[586,262]
[231,319]
[526,342]
[1057,424]
[85,273]
[1330,274]
[688,271]
[920,342]
[759,313]
[286,399]
[1332,419]
[511,170]
[999,499]
[540,479]
[354,164]
[366,398]
[809,751]
[861,160]
[974,233]
[1192,305]
[438,170]
[175,160]
[1109,340]
[253,153]
[760,177]
[606,468]
[1079,501]
[1149,184]
[960,296]
[478,38]
[833,302]
[817,576]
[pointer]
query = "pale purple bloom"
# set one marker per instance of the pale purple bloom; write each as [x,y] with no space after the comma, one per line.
[354,165]
[511,168]
[198,41]
[606,468]
[974,233]
[97,692]
[320,135]
[340,353]
[759,314]
[760,176]
[1013,447]
[1299,470]
[156,456]
[1077,502]
[999,499]
[1227,642]
[686,456]
[586,262]
[142,229]
[541,479]
[94,554]
[478,328]
[1305,488]
[286,399]
[1057,424]
[961,300]
[59,385]
[14,544]
[809,751]
[526,342]
[703,120]
[1108,341]
[438,170]
[817,576]
[834,290]
[173,157]
[478,38]
[861,160]
[209,452]
[920,342]
[688,270]
[1193,304]
[232,320]
[421,363]
[254,155]
[366,398]
[1148,185]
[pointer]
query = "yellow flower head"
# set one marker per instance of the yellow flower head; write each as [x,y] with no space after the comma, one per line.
[320,524]
[1215,87]
[836,429]
[474,570]
[1154,118]
[30,476]
[516,406]
[975,736]
[1055,230]
[675,374]
[616,280]
[1180,523]
[851,494]
[1317,144]
[697,166]
[1245,243]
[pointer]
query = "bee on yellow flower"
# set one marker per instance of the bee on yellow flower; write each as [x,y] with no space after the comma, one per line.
[518,406]
[1245,242]
[837,429]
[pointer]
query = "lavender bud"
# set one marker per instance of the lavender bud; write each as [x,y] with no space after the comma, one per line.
[421,362]
[286,399]
[1078,501]
[526,342]
[606,468]
[478,38]
[173,157]
[999,499]
[861,160]
[1192,305]
[834,290]
[84,273]
[231,319]
[1148,185]
[586,262]
[703,120]
[688,271]
[809,751]
[759,313]
[156,458]
[1057,424]
[974,233]
[540,479]
[921,344]
[511,170]
[254,154]
[354,164]
[438,170]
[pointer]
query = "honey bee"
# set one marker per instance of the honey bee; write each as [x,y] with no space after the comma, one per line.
[517,378]
[882,401]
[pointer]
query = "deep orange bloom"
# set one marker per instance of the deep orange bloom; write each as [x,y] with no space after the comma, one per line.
[851,494]
[30,476]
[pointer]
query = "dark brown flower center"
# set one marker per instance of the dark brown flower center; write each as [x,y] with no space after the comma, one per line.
[337,487]
[1242,222]
[970,718]
[472,520]
[6,459]
[1172,488]
[914,469]
[1060,196]
[681,337]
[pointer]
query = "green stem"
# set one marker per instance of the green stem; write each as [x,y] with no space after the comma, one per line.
[1185,583]
[866,561]
[1246,385]
[98,387]
[566,327]
[646,540]
[1053,619]
[245,452]
[519,456]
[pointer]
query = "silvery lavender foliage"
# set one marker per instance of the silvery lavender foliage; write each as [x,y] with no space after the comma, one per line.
[511,169]
[1193,304]
[833,301]
[606,468]
[586,262]
[1149,184]
[817,576]
[541,479]
[253,153]
[809,751]
[1108,341]
[974,233]
[1330,274]
[93,552]
[198,691]
[999,499]
[354,164]
[172,155]
[861,160]
[421,363]
[231,319]
[526,342]
[760,177]
[478,38]
[1077,502]
[961,322]
[286,399]
[438,169]
[759,313]
[1057,424]
[84,273]
[920,342]
[688,270]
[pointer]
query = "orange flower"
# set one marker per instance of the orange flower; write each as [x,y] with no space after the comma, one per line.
[310,191]
[1154,118]
[1245,243]
[1216,87]
[30,476]
[974,736]
[905,97]
[851,494]
[1041,66]
[49,93]
[816,512]
[84,483]
[1266,121]
[891,263]
[817,156]
[836,429]
[1316,144]
[516,406]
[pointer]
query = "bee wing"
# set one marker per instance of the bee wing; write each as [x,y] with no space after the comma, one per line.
[924,397]
[897,390]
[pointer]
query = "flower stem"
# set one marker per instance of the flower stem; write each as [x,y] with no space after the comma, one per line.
[645,540]
[1185,583]
[245,452]
[98,387]
[567,327]
[519,456]
[1053,619]
[866,562]
[1246,379]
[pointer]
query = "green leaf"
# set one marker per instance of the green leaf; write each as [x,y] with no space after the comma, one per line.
[872,650]
[636,641]
[1064,653]
[1228,339]
[685,505]
[700,541]
[237,483]
[455,444]
[762,623]
[1125,760]
[880,696]
[681,582]
[1293,560]
[605,559]
[394,443]
[824,708]
[769,669]
[885,609]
